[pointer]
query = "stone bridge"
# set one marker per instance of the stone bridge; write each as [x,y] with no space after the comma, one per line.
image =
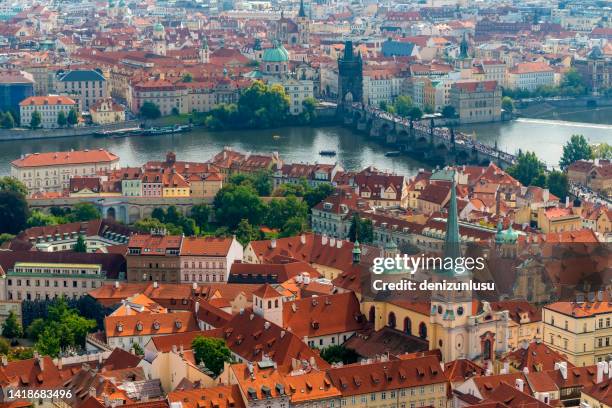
[121,208]
[433,142]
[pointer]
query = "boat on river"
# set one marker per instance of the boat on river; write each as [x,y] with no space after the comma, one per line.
[393,153]
[166,130]
[327,153]
[118,132]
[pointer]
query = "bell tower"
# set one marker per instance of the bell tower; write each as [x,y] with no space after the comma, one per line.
[350,76]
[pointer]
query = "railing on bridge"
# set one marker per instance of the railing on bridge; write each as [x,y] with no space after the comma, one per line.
[441,133]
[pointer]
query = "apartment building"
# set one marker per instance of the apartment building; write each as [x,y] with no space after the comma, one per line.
[476,101]
[52,171]
[49,107]
[84,86]
[530,75]
[208,259]
[580,330]
[168,97]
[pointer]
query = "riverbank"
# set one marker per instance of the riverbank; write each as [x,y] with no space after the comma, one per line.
[11,135]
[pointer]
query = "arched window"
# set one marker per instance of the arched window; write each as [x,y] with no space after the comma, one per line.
[391,320]
[372,314]
[407,326]
[422,330]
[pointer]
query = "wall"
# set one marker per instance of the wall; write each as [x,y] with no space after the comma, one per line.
[27,134]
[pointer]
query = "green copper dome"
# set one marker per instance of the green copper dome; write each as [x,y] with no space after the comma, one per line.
[158,27]
[121,3]
[277,54]
[510,235]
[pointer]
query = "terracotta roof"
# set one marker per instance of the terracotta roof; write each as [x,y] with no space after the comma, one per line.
[220,396]
[34,373]
[205,246]
[47,100]
[324,315]
[537,356]
[149,324]
[99,156]
[266,292]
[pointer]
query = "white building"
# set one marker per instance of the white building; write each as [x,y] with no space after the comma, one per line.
[52,171]
[530,75]
[49,108]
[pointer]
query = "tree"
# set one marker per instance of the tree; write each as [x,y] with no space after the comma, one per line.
[73,117]
[281,210]
[80,245]
[35,120]
[187,77]
[449,111]
[11,328]
[200,214]
[84,211]
[8,121]
[361,229]
[262,183]
[316,195]
[137,348]
[507,104]
[262,106]
[602,151]
[149,110]
[234,203]
[528,169]
[9,183]
[146,225]
[159,214]
[61,119]
[40,219]
[5,346]
[6,237]
[212,352]
[577,148]
[294,226]
[556,181]
[14,212]
[337,353]
[402,105]
[245,232]
[309,110]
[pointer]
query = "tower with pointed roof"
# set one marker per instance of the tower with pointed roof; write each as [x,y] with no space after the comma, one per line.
[159,39]
[461,329]
[204,52]
[268,303]
[303,25]
[350,76]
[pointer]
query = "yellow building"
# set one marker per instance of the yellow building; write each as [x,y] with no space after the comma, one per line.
[409,317]
[205,187]
[525,323]
[580,330]
[556,219]
[106,111]
[174,185]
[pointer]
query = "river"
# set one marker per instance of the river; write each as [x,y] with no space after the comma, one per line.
[302,144]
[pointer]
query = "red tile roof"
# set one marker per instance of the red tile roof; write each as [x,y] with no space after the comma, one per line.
[99,156]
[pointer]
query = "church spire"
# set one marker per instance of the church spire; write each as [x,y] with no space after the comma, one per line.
[302,13]
[452,241]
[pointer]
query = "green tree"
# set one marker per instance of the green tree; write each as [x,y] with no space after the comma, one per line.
[61,119]
[73,117]
[556,181]
[294,226]
[361,229]
[5,346]
[507,104]
[35,120]
[6,237]
[149,110]
[262,106]
[8,121]
[40,219]
[159,214]
[245,232]
[84,211]
[212,352]
[234,203]
[528,169]
[281,210]
[187,77]
[14,212]
[318,194]
[145,225]
[80,245]
[138,350]
[309,110]
[201,214]
[262,183]
[11,328]
[449,111]
[337,353]
[9,183]
[577,148]
[602,151]
[402,105]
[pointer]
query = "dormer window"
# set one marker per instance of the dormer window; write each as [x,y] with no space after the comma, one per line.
[178,324]
[156,325]
[119,327]
[139,326]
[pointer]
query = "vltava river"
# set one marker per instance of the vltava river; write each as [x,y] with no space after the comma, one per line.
[302,144]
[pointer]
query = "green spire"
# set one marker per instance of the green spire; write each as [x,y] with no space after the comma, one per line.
[463,48]
[452,242]
[301,13]
[499,235]
[356,252]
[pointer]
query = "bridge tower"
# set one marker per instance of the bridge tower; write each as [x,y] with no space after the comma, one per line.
[350,76]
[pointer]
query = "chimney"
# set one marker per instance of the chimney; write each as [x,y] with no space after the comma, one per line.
[525,370]
[4,360]
[567,202]
[155,285]
[339,244]
[332,242]
[602,368]
[303,239]
[324,239]
[519,383]
[194,286]
[545,195]
[92,392]
[197,306]
[174,349]
[116,284]
[273,243]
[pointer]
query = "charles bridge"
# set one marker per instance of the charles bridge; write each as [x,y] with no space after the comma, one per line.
[430,141]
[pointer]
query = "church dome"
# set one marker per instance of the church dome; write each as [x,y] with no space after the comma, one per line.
[158,27]
[121,3]
[510,235]
[277,54]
